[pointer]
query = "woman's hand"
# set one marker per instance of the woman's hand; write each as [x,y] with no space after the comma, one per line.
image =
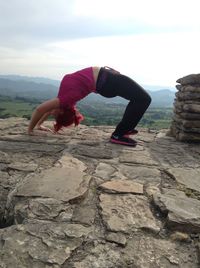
[30,133]
[42,111]
[43,128]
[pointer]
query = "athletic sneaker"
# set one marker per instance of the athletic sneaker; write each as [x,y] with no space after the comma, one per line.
[130,132]
[123,140]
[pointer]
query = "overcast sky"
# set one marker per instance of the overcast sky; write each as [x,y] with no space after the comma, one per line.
[153,41]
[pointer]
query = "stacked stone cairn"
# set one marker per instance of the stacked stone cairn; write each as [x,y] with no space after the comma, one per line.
[186,120]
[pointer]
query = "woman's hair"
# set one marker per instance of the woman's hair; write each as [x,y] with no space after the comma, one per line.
[68,117]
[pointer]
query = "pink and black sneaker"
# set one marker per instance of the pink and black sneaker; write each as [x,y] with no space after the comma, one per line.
[131,132]
[123,140]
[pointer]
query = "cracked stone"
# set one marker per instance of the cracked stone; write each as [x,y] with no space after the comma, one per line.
[40,243]
[189,177]
[141,174]
[117,238]
[4,158]
[128,212]
[84,214]
[91,151]
[103,256]
[63,184]
[146,252]
[183,213]
[104,171]
[68,161]
[169,154]
[26,147]
[138,157]
[122,186]
[28,167]
[60,219]
[43,209]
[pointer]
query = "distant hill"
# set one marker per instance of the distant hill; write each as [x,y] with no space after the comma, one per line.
[27,89]
[161,98]
[44,88]
[39,80]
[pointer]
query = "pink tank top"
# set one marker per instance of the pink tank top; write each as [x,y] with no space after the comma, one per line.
[76,86]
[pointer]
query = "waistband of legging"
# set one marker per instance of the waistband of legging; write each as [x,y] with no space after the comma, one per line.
[103,74]
[101,78]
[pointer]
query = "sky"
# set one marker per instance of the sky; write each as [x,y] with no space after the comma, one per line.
[154,42]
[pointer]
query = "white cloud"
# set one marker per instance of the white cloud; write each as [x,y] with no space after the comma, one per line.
[155,12]
[31,23]
[156,59]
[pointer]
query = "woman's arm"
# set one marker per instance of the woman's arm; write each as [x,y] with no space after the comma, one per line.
[39,125]
[43,118]
[40,112]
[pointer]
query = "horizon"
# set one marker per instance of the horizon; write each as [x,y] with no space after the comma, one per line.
[157,87]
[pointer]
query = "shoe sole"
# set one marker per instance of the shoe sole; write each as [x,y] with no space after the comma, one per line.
[123,143]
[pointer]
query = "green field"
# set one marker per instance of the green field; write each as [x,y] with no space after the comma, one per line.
[111,114]
[97,113]
[16,107]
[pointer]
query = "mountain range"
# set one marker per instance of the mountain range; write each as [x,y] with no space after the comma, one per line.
[44,88]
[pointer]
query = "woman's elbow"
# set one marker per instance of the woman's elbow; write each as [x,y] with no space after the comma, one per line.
[43,109]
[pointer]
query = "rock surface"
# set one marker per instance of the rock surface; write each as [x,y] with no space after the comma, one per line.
[77,201]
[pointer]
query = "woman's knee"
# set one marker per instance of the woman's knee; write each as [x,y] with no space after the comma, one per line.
[148,98]
[143,97]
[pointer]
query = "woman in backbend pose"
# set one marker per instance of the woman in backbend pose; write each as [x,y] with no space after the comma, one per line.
[104,81]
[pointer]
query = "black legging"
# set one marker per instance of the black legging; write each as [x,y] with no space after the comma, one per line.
[110,84]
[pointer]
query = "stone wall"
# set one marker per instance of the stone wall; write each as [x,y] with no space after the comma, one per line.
[186,120]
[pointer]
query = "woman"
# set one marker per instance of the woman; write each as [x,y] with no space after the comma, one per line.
[104,81]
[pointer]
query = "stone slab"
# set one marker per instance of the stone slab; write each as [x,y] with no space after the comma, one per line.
[104,171]
[145,251]
[189,79]
[92,152]
[125,213]
[42,209]
[138,157]
[27,147]
[183,213]
[101,256]
[189,177]
[63,184]
[40,244]
[122,186]
[140,174]
[27,167]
